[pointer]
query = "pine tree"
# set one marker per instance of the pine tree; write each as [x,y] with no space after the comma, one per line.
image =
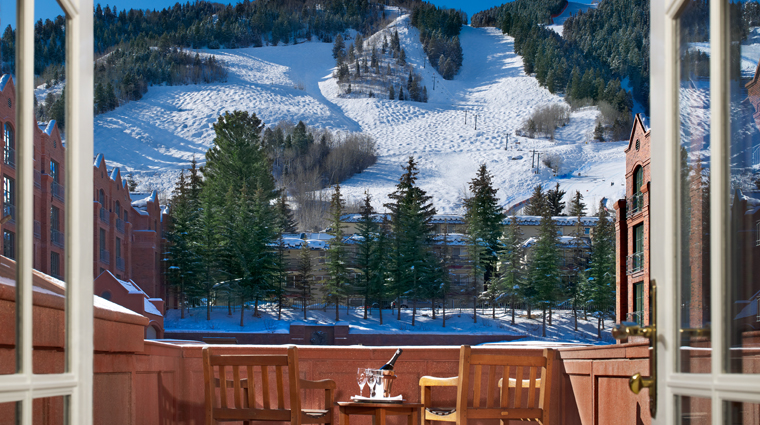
[510,263]
[391,93]
[338,48]
[544,271]
[183,264]
[337,267]
[304,274]
[286,221]
[367,261]
[411,211]
[577,207]
[554,200]
[602,267]
[484,218]
[537,202]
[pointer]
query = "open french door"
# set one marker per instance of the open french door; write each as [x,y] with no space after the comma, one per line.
[705,210]
[74,384]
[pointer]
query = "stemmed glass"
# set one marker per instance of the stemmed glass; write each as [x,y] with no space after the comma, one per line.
[361,378]
[371,381]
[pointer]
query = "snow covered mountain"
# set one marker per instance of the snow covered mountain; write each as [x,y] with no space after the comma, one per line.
[160,134]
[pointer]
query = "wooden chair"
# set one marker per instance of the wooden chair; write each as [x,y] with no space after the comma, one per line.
[511,403]
[246,389]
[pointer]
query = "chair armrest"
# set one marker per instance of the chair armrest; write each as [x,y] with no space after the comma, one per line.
[432,381]
[324,384]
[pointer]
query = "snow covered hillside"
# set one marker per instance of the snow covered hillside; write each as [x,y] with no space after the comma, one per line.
[162,132]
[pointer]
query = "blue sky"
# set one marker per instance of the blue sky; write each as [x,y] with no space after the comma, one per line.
[48,9]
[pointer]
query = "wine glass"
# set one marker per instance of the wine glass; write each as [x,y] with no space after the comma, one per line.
[370,374]
[361,378]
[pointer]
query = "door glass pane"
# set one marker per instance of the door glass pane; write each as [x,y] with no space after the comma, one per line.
[694,410]
[743,289]
[49,186]
[738,413]
[694,108]
[8,213]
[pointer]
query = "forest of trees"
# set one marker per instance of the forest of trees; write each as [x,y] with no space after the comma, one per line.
[306,160]
[439,35]
[228,221]
[571,64]
[375,69]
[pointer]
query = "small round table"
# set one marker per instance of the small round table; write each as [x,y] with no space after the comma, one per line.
[379,411]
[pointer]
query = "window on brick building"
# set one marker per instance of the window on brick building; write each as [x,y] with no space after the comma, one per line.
[118,209]
[117,247]
[102,198]
[638,303]
[9,153]
[638,248]
[9,197]
[9,244]
[126,217]
[55,171]
[55,218]
[55,264]
[102,239]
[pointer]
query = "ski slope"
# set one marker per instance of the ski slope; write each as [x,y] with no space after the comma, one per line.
[161,133]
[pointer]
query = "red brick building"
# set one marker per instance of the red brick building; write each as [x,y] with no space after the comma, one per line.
[632,230]
[127,227]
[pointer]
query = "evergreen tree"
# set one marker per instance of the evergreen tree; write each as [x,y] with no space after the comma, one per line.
[537,202]
[544,271]
[391,93]
[338,48]
[131,183]
[602,267]
[183,264]
[367,261]
[337,267]
[484,218]
[238,159]
[510,263]
[303,284]
[554,200]
[411,211]
[577,207]
[286,223]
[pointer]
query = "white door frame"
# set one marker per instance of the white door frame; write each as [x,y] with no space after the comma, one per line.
[75,384]
[665,259]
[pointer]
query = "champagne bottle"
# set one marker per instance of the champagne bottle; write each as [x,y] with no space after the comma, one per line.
[389,365]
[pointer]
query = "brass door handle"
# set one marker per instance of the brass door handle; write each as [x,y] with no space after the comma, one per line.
[627,329]
[636,383]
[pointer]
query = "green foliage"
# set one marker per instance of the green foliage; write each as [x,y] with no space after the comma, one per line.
[511,280]
[439,34]
[237,158]
[544,266]
[369,260]
[554,201]
[337,267]
[412,263]
[601,272]
[537,203]
[577,207]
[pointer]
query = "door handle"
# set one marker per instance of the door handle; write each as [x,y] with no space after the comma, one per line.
[624,330]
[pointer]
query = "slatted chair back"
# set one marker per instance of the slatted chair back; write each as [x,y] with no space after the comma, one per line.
[503,401]
[250,376]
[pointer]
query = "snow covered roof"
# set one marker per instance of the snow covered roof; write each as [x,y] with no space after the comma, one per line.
[150,308]
[141,199]
[355,218]
[447,218]
[319,236]
[535,220]
[49,129]
[4,80]
[98,159]
[452,239]
[294,235]
[114,173]
[564,242]
[318,244]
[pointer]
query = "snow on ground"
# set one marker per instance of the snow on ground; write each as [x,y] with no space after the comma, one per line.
[572,9]
[457,322]
[162,132]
